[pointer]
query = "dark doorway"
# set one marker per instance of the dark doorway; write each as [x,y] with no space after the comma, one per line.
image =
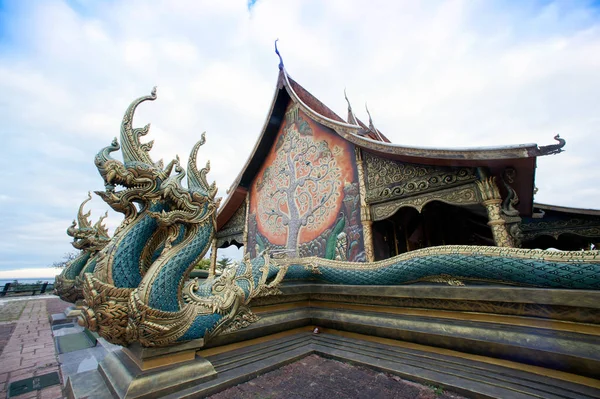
[437,224]
[565,242]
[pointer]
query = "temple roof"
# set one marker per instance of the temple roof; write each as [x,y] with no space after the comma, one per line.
[521,156]
[568,210]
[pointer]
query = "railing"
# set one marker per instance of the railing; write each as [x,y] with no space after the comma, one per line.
[11,288]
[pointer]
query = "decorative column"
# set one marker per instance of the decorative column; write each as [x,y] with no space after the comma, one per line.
[492,200]
[213,258]
[245,239]
[365,212]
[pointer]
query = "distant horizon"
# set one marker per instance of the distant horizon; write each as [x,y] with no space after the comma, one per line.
[40,272]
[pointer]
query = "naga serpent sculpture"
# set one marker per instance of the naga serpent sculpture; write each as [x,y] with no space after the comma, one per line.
[89,240]
[138,290]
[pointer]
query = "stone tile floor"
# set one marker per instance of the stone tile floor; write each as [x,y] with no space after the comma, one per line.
[314,377]
[29,349]
[6,331]
[10,310]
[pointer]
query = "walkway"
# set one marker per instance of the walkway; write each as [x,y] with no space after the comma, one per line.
[28,350]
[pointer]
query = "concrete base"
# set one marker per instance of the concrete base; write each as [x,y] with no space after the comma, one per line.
[546,342]
[118,376]
[59,318]
[72,312]
[124,375]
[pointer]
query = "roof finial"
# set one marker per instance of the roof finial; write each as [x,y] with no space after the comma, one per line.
[552,148]
[351,118]
[371,126]
[370,119]
[279,55]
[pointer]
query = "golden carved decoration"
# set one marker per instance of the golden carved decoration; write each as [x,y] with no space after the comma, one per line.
[158,238]
[365,213]
[105,309]
[243,319]
[462,195]
[387,179]
[89,240]
[443,278]
[491,200]
[557,312]
[510,214]
[468,250]
[247,201]
[67,289]
[555,228]
[234,228]
[153,327]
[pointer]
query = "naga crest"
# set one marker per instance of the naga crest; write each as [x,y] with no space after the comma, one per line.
[89,240]
[138,175]
[191,205]
[85,236]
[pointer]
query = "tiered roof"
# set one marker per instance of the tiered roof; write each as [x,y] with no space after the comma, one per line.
[521,157]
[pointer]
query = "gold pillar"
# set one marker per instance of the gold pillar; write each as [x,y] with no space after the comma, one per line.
[245,239]
[213,258]
[492,200]
[365,211]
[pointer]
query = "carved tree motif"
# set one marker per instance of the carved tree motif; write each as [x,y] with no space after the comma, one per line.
[301,188]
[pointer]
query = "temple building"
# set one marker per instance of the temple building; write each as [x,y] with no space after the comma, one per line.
[322,207]
[318,185]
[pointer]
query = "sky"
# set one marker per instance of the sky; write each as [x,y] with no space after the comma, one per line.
[434,73]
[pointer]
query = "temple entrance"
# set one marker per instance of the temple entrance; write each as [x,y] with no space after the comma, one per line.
[437,224]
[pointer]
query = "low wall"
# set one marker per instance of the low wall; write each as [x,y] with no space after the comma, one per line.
[557,329]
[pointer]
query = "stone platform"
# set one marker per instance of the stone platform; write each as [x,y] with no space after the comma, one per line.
[467,375]
[29,346]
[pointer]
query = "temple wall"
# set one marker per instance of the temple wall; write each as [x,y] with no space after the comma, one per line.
[305,198]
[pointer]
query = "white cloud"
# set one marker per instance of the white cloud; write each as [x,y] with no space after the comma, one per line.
[441,73]
[38,272]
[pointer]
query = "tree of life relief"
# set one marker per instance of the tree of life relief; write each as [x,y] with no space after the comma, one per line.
[300,193]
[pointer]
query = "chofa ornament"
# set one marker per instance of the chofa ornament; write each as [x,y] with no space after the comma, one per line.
[139,289]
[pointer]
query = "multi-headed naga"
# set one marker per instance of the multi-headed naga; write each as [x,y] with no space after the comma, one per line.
[136,290]
[132,187]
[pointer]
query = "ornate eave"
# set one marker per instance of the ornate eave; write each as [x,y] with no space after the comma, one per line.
[232,232]
[352,133]
[565,209]
[554,221]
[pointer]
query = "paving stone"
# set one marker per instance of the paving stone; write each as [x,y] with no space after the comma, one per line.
[66,331]
[11,310]
[51,393]
[59,318]
[29,350]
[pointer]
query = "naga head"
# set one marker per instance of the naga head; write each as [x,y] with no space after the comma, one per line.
[81,228]
[194,204]
[85,236]
[138,176]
